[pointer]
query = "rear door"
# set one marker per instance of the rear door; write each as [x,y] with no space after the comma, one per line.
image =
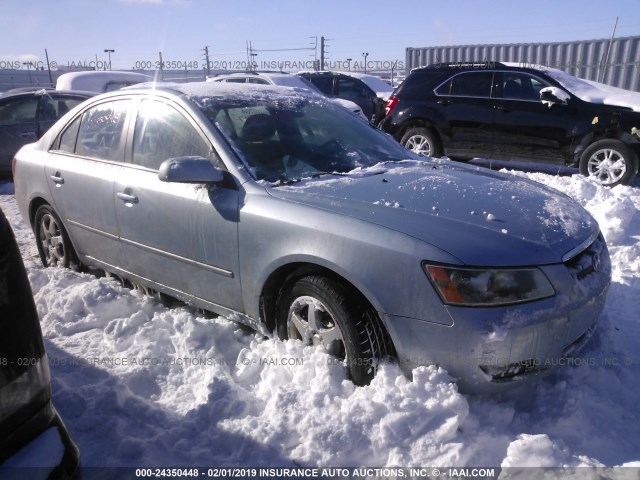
[81,170]
[181,236]
[466,101]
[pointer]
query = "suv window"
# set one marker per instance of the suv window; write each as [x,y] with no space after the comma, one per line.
[101,129]
[521,86]
[468,84]
[161,133]
[324,84]
[351,88]
[21,110]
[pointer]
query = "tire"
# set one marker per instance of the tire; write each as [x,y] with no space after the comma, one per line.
[422,141]
[609,161]
[54,245]
[349,329]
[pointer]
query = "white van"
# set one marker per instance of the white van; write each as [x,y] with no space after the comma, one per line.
[99,81]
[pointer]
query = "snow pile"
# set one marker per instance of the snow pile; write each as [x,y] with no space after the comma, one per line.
[140,383]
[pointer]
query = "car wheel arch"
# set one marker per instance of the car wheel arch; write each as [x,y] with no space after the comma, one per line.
[286,274]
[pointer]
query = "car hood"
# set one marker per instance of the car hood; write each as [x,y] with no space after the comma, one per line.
[481,217]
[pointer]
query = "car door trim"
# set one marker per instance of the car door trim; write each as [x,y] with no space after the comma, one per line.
[212,268]
[173,256]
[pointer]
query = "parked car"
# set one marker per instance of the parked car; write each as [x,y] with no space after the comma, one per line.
[25,116]
[100,81]
[505,111]
[281,210]
[368,91]
[284,80]
[30,427]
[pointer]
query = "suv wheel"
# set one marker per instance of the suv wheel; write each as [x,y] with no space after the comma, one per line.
[611,162]
[422,141]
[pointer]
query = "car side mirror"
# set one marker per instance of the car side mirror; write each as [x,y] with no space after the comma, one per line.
[553,96]
[189,170]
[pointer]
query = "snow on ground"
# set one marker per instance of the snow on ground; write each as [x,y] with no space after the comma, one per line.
[139,383]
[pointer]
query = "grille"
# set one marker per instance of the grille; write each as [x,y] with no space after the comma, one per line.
[588,261]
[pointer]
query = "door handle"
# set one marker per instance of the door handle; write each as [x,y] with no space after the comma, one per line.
[57,178]
[127,198]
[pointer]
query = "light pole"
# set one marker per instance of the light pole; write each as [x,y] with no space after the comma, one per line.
[365,55]
[109,51]
[28,64]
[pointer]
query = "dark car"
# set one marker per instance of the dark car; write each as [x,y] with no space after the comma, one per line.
[29,423]
[505,111]
[25,116]
[368,92]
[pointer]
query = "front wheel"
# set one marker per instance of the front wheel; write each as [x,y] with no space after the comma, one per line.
[611,162]
[54,245]
[422,141]
[320,311]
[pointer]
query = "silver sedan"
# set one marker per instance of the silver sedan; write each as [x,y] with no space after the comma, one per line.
[280,210]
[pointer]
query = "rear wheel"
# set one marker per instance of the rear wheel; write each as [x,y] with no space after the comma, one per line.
[422,141]
[54,245]
[319,310]
[611,162]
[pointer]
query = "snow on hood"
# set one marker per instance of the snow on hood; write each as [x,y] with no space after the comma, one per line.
[511,221]
[595,92]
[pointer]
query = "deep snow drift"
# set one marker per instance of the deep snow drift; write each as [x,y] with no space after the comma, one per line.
[142,384]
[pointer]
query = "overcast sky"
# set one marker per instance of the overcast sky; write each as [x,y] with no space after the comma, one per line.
[78,31]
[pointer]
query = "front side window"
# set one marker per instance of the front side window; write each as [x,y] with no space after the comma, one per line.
[521,86]
[101,131]
[52,108]
[161,133]
[468,84]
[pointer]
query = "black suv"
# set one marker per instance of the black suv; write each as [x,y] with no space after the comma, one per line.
[505,111]
[33,440]
[347,87]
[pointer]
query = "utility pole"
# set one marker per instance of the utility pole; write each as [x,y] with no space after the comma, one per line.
[606,58]
[161,74]
[321,53]
[46,54]
[206,59]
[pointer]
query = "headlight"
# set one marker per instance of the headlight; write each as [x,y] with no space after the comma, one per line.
[488,287]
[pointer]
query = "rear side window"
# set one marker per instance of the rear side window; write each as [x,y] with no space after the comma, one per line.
[162,133]
[324,84]
[21,110]
[352,88]
[468,84]
[100,134]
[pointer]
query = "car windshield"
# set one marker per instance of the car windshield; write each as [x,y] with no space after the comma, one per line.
[284,138]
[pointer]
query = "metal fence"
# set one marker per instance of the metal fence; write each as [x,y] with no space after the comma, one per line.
[614,62]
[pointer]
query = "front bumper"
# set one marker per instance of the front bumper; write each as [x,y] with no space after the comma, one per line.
[489,349]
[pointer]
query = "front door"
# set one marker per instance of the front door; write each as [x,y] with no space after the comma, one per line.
[181,236]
